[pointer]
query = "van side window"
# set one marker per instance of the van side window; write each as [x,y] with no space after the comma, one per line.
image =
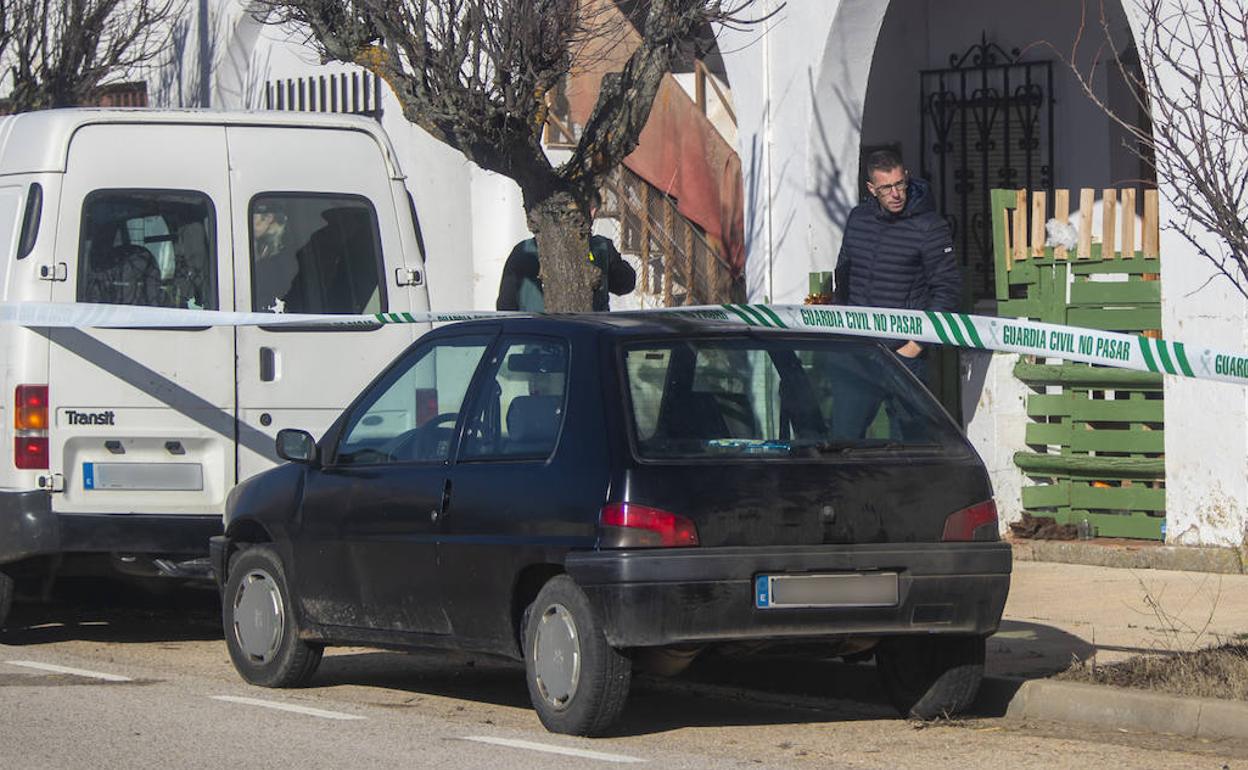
[315,253]
[148,247]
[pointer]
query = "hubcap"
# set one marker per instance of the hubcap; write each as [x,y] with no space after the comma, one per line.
[259,616]
[557,656]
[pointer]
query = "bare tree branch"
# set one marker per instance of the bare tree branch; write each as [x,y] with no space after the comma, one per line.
[476,74]
[57,53]
[1192,80]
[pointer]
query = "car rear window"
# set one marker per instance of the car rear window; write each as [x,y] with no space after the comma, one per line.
[776,397]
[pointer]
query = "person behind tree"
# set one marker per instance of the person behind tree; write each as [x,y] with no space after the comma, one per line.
[521,285]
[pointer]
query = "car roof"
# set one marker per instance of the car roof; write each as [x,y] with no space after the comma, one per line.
[639,324]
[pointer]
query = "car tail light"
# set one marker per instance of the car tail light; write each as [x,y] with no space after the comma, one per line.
[30,419]
[979,522]
[628,525]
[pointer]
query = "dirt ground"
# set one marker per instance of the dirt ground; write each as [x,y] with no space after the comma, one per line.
[1215,672]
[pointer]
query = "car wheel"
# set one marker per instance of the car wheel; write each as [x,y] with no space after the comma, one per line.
[261,631]
[931,676]
[578,682]
[6,597]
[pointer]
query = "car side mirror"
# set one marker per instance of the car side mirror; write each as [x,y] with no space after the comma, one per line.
[297,446]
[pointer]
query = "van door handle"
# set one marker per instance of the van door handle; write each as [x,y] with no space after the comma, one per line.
[268,364]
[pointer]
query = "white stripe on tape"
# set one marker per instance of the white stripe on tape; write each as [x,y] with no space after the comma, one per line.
[1070,343]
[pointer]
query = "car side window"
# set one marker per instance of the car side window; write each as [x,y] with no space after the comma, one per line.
[519,412]
[315,253]
[148,247]
[412,413]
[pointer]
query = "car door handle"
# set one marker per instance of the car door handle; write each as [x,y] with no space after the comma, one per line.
[443,505]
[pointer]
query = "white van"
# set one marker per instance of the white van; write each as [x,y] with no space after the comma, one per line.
[122,444]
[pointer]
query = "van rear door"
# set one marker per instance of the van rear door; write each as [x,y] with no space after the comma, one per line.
[317,231]
[143,420]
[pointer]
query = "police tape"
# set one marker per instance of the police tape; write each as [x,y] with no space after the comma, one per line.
[1008,335]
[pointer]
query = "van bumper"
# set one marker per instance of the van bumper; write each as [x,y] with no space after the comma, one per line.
[29,527]
[696,596]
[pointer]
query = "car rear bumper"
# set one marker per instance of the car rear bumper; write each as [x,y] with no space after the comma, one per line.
[650,598]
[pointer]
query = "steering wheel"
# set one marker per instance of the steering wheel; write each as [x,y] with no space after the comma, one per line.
[422,443]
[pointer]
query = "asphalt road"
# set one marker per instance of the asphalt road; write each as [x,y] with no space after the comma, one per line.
[100,678]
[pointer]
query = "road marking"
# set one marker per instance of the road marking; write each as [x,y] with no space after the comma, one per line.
[71,671]
[305,710]
[551,749]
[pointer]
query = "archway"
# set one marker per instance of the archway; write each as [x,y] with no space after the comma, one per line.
[975,95]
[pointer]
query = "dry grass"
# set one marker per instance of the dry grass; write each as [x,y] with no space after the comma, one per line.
[1214,672]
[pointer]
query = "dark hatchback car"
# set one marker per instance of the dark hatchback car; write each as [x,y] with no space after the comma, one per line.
[592,493]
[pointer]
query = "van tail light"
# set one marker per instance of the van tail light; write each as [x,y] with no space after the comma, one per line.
[628,525]
[979,522]
[30,419]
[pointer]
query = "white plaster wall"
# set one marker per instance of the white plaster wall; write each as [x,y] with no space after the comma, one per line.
[772,70]
[498,223]
[994,408]
[1206,422]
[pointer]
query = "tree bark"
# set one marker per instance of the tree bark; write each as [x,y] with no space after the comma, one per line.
[562,228]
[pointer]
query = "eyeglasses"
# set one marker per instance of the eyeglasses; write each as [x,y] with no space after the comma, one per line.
[885,190]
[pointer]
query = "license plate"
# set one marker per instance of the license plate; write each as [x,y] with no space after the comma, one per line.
[147,477]
[843,589]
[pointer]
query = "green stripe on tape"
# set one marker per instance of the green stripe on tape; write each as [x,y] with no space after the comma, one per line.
[940,330]
[757,316]
[772,315]
[1148,354]
[381,317]
[1165,357]
[953,327]
[408,317]
[970,330]
[733,309]
[1181,354]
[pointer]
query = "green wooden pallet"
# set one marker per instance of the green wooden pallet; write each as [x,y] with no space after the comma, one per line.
[1095,436]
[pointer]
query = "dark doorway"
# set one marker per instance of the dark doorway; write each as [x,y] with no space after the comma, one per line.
[986,122]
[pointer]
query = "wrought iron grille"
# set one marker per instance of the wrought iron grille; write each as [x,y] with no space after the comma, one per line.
[985,121]
[358,93]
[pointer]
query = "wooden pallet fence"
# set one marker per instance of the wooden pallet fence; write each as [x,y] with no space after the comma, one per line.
[1095,436]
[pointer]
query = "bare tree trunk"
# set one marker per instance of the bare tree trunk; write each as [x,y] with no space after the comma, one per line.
[562,228]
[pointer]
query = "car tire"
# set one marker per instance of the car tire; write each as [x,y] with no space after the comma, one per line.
[931,676]
[577,681]
[6,597]
[261,630]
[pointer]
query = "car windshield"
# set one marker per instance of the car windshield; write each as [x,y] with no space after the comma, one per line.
[777,397]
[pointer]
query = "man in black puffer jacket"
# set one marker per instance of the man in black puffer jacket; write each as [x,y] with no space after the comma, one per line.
[898,252]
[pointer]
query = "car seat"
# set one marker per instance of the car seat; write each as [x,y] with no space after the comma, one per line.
[126,274]
[532,424]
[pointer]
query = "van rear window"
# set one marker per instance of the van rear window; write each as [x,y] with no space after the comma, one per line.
[148,247]
[315,253]
[729,397]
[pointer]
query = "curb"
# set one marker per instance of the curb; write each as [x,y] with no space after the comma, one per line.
[854,689]
[1225,561]
[1118,707]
